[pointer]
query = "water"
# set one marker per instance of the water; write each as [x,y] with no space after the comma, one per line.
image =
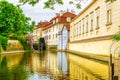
[50,66]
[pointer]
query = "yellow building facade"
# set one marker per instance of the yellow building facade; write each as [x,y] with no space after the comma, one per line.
[92,29]
[37,32]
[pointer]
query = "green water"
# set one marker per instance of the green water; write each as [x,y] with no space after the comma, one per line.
[50,66]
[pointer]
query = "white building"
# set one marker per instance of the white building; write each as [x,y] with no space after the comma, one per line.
[50,32]
[63,37]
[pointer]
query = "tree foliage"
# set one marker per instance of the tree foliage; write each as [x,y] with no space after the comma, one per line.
[12,22]
[50,3]
[116,37]
[3,43]
[24,43]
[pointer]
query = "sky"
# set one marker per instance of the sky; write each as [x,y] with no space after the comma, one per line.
[37,13]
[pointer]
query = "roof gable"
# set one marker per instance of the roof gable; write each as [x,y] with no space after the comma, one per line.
[68,14]
[67,26]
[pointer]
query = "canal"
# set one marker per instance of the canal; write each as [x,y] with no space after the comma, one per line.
[50,65]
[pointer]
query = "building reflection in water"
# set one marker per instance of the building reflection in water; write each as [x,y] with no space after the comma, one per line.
[63,64]
[55,66]
[78,72]
[85,69]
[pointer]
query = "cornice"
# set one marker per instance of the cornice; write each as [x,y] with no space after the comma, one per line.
[93,39]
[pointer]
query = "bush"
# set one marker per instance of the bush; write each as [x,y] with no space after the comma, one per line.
[24,43]
[3,42]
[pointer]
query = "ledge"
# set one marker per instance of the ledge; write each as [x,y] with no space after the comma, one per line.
[10,52]
[93,39]
[91,30]
[106,1]
[86,31]
[101,58]
[97,28]
[110,23]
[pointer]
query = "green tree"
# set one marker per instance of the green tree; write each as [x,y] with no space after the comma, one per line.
[13,22]
[116,37]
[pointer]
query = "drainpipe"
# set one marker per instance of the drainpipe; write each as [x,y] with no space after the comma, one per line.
[111,64]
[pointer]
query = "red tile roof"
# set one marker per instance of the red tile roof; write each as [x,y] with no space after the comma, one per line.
[68,14]
[61,19]
[48,26]
[42,24]
[57,16]
[67,27]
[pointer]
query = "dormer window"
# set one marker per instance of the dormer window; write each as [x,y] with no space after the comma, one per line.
[53,21]
[56,20]
[68,19]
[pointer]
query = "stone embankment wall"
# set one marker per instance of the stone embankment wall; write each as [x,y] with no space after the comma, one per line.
[14,45]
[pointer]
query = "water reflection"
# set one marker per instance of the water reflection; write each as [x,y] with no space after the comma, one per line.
[16,71]
[82,68]
[50,66]
[63,64]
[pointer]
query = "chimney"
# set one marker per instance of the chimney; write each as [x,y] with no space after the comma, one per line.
[61,12]
[57,14]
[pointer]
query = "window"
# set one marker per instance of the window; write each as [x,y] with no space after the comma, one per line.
[91,25]
[79,27]
[53,21]
[97,21]
[49,37]
[97,10]
[108,13]
[74,31]
[83,27]
[68,19]
[56,20]
[49,30]
[46,37]
[108,16]
[86,23]
[86,27]
[92,17]
[56,35]
[53,36]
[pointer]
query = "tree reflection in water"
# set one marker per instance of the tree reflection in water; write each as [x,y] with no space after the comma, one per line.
[17,72]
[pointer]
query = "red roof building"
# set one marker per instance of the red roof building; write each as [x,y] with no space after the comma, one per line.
[50,31]
[64,18]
